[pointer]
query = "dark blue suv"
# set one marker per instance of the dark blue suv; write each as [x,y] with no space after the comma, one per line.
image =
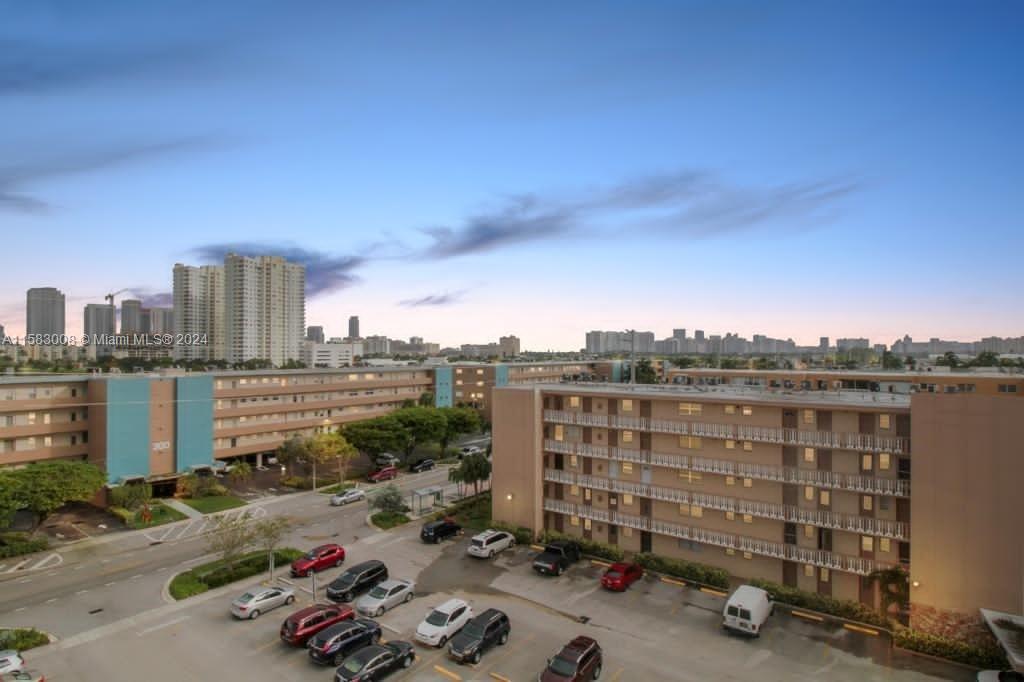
[333,645]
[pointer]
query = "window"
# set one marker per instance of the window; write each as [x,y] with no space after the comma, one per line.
[809,570]
[748,556]
[730,444]
[559,432]
[691,476]
[573,460]
[1007,388]
[730,480]
[696,511]
[748,446]
[884,544]
[825,498]
[808,531]
[730,409]
[867,503]
[689,408]
[866,463]
[574,490]
[689,442]
[627,499]
[730,551]
[458,371]
[586,524]
[883,503]
[627,532]
[883,421]
[586,493]
[808,416]
[627,405]
[627,436]
[809,455]
[747,410]
[627,467]
[574,401]
[867,543]
[479,371]
[574,520]
[748,518]
[823,575]
[748,483]
[730,516]
[884,461]
[808,492]
[684,509]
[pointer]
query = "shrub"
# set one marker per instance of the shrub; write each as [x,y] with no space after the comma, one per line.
[297,482]
[687,570]
[131,496]
[16,544]
[843,608]
[389,500]
[193,486]
[990,657]
[589,547]
[385,520]
[523,536]
[22,639]
[216,574]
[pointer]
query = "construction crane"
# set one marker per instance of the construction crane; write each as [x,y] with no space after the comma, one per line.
[110,297]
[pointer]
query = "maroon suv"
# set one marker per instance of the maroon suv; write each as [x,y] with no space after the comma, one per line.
[317,559]
[304,623]
[578,661]
[383,474]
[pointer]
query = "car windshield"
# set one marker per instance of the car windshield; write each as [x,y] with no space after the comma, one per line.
[478,543]
[473,629]
[437,618]
[613,574]
[354,664]
[345,579]
[562,667]
[310,555]
[378,592]
[246,597]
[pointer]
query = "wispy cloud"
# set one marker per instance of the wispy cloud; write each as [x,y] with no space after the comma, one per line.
[433,300]
[324,272]
[151,299]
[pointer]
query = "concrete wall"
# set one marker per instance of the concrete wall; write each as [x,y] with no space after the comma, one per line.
[967,523]
[194,413]
[127,427]
[517,463]
[161,426]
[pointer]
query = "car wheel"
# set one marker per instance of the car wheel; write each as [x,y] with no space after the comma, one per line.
[346,597]
[289,600]
[444,640]
[408,597]
[254,615]
[490,554]
[476,658]
[437,539]
[338,659]
[378,613]
[558,570]
[504,638]
[597,671]
[407,662]
[338,563]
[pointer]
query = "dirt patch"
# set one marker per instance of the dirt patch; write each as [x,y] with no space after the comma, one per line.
[79,520]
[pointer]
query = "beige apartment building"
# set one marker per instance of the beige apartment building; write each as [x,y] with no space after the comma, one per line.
[812,489]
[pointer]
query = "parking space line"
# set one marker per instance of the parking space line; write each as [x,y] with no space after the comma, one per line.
[808,616]
[857,628]
[499,677]
[510,648]
[595,562]
[448,673]
[671,581]
[717,593]
[169,623]
[617,675]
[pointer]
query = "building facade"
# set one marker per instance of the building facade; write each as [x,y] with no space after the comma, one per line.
[198,313]
[264,309]
[315,334]
[131,317]
[353,327]
[334,355]
[44,311]
[161,320]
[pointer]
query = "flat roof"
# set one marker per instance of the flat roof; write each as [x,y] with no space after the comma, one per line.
[753,394]
[854,373]
[12,379]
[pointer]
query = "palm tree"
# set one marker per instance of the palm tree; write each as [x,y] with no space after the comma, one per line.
[473,469]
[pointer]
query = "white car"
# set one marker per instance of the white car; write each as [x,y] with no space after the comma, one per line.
[260,600]
[346,496]
[997,676]
[384,596]
[490,542]
[443,621]
[10,661]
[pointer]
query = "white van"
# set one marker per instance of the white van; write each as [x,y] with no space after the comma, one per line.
[747,610]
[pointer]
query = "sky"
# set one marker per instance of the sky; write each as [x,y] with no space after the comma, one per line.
[462,171]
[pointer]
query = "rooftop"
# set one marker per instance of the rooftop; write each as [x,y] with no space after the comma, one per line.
[895,375]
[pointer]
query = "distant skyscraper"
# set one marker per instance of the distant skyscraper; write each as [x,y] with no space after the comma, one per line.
[508,346]
[698,335]
[353,327]
[161,320]
[44,311]
[823,344]
[3,335]
[679,334]
[315,334]
[131,316]
[99,322]
[198,312]
[264,308]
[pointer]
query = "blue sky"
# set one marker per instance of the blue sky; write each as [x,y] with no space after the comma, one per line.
[461,171]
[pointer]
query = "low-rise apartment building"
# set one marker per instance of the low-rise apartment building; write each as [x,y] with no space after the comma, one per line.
[811,489]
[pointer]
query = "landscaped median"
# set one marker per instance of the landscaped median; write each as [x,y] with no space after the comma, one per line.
[217,573]
[17,544]
[386,520]
[159,514]
[22,639]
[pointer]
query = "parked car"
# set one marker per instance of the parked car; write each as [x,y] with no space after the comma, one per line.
[356,580]
[384,596]
[746,610]
[489,543]
[435,531]
[260,600]
[23,676]
[376,662]
[470,450]
[422,465]
[317,559]
[333,645]
[443,622]
[490,628]
[619,576]
[386,459]
[347,496]
[10,661]
[556,557]
[382,474]
[304,623]
[1000,676]
[579,661]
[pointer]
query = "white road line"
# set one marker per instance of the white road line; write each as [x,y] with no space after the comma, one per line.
[136,577]
[79,567]
[169,623]
[105,561]
[19,610]
[17,566]
[82,592]
[161,569]
[50,601]
[51,574]
[48,562]
[24,580]
[110,584]
[391,629]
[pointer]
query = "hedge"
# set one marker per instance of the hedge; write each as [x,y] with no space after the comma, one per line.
[385,520]
[523,536]
[216,574]
[16,544]
[588,547]
[988,657]
[687,570]
[22,639]
[843,608]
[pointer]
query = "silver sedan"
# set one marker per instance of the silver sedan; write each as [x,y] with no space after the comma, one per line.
[260,600]
[384,596]
[346,496]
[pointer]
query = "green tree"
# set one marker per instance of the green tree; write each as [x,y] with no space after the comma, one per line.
[9,500]
[241,471]
[374,436]
[426,399]
[421,424]
[131,496]
[684,361]
[948,359]
[268,534]
[472,469]
[890,361]
[327,447]
[985,359]
[645,373]
[44,487]
[765,363]
[230,536]
[291,452]
[389,499]
[458,420]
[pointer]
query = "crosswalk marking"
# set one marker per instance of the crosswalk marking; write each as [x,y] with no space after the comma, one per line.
[32,564]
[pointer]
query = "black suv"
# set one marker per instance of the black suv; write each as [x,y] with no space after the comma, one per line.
[333,645]
[435,531]
[422,465]
[356,580]
[556,557]
[579,661]
[488,629]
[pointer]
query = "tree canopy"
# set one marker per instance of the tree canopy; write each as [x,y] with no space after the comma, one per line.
[44,487]
[458,420]
[374,436]
[421,424]
[472,469]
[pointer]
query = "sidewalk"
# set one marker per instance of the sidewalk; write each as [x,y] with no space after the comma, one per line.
[185,509]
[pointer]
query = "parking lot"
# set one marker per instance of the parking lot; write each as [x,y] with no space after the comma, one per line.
[655,631]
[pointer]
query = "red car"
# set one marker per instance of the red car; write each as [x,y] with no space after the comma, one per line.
[317,559]
[620,576]
[383,474]
[304,623]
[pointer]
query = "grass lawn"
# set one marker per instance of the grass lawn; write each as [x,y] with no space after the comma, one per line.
[22,639]
[475,513]
[161,514]
[386,520]
[336,488]
[215,503]
[215,574]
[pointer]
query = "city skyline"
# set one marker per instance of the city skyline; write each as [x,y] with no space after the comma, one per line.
[648,150]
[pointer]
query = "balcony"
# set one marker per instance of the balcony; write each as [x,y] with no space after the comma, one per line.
[896,530]
[759,434]
[775,550]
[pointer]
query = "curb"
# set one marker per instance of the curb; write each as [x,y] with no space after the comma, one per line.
[937,659]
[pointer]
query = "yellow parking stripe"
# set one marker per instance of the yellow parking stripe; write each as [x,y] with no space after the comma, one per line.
[617,675]
[670,581]
[447,673]
[808,616]
[857,628]
[717,593]
[537,548]
[595,562]
[500,677]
